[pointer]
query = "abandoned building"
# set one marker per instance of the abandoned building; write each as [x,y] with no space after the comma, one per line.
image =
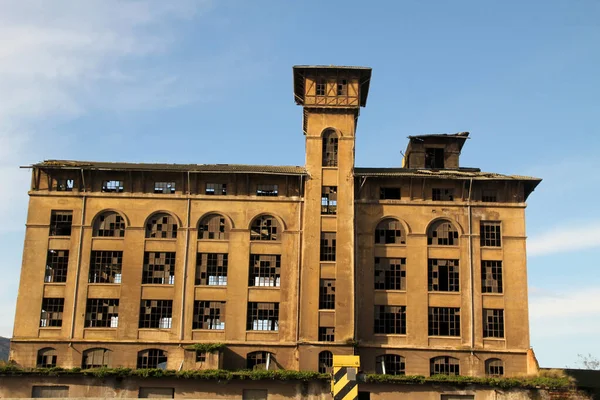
[419,268]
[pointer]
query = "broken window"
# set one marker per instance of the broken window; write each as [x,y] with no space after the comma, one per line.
[216,189]
[96,358]
[493,323]
[60,223]
[46,358]
[156,314]
[329,200]
[64,185]
[109,224]
[161,226]
[389,193]
[259,360]
[152,358]
[45,392]
[105,266]
[159,268]
[211,269]
[443,275]
[326,334]
[264,227]
[434,157]
[52,312]
[213,227]
[164,187]
[494,367]
[57,264]
[389,231]
[320,87]
[200,356]
[102,313]
[444,365]
[390,319]
[263,317]
[442,233]
[112,186]
[330,149]
[390,364]
[490,234]
[328,246]
[390,273]
[265,270]
[489,195]
[491,276]
[267,190]
[327,294]
[209,315]
[325,362]
[342,87]
[444,321]
[442,194]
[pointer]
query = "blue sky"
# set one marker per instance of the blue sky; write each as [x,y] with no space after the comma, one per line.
[211,82]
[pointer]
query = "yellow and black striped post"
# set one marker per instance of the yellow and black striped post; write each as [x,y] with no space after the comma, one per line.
[344,385]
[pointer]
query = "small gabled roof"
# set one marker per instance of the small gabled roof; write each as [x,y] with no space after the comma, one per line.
[460,137]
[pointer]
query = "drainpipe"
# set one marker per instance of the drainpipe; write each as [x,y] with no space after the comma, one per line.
[471,283]
[76,291]
[300,250]
[185,264]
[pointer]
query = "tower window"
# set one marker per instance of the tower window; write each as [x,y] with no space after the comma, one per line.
[52,312]
[493,323]
[434,158]
[443,275]
[390,273]
[328,246]
[444,321]
[490,234]
[491,276]
[342,87]
[60,223]
[329,200]
[105,266]
[326,334]
[330,149]
[57,263]
[320,87]
[327,294]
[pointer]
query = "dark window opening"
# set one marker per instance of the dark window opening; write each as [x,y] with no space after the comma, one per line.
[329,200]
[389,231]
[434,158]
[442,233]
[157,314]
[161,226]
[390,364]
[219,189]
[330,149]
[105,266]
[60,223]
[390,273]
[57,265]
[390,319]
[320,87]
[491,276]
[64,185]
[112,186]
[489,195]
[265,270]
[109,224]
[200,356]
[326,334]
[494,367]
[327,294]
[264,227]
[164,187]
[213,227]
[211,269]
[159,268]
[96,358]
[389,193]
[493,323]
[209,315]
[443,275]
[328,243]
[444,366]
[102,313]
[342,87]
[46,358]
[263,317]
[490,234]
[52,312]
[259,360]
[444,321]
[267,190]
[325,362]
[152,358]
[442,194]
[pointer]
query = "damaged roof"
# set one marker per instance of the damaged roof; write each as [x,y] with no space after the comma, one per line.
[208,168]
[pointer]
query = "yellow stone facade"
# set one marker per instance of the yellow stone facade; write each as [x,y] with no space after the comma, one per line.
[416,199]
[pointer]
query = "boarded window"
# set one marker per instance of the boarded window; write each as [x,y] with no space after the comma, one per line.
[161,226]
[490,234]
[48,392]
[52,312]
[209,315]
[57,263]
[444,321]
[156,314]
[265,270]
[109,224]
[211,269]
[491,276]
[330,149]
[390,231]
[159,268]
[213,227]
[328,246]
[263,317]
[152,358]
[390,364]
[443,275]
[442,233]
[102,313]
[444,366]
[390,319]
[105,266]
[390,273]
[46,358]
[96,358]
[264,227]
[60,223]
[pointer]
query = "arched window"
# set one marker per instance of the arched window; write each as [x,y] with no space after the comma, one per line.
[213,227]
[264,227]
[161,226]
[330,149]
[46,358]
[444,365]
[152,358]
[109,224]
[390,231]
[96,358]
[442,233]
[390,364]
[325,362]
[260,360]
[494,367]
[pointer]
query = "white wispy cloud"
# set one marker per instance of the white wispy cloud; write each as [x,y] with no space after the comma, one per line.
[562,239]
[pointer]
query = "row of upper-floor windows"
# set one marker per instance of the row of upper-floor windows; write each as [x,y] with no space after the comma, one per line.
[388,364]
